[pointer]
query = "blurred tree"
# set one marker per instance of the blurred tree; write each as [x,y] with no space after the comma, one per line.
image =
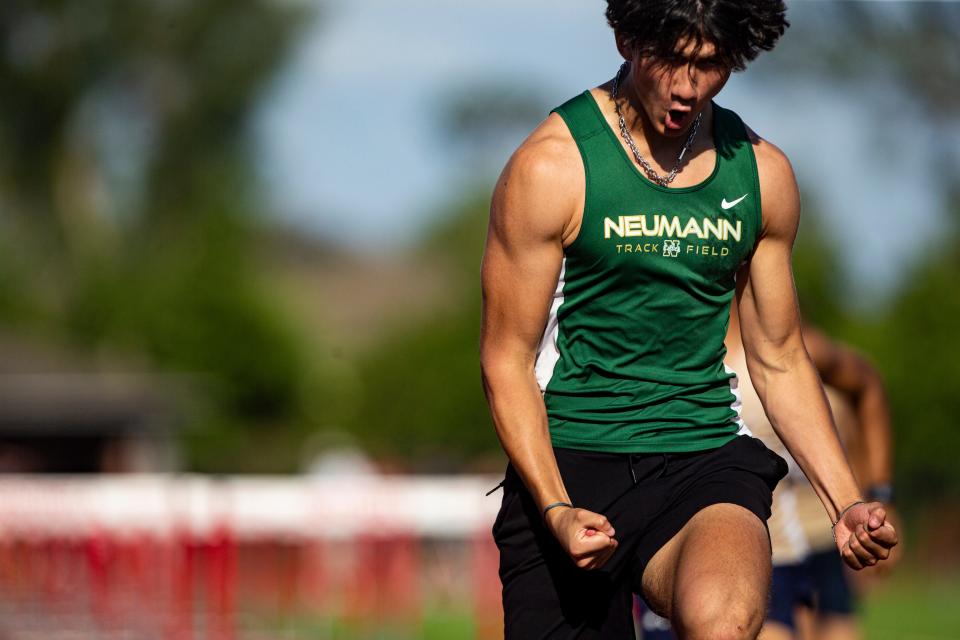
[126,206]
[910,45]
[917,347]
[484,120]
[921,352]
[911,48]
[422,395]
[818,273]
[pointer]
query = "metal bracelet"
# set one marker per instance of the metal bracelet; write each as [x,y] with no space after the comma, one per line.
[844,510]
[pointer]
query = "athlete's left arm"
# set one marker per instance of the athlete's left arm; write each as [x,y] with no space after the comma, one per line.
[784,376]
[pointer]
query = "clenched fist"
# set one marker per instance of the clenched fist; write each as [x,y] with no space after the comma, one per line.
[587,537]
[863,535]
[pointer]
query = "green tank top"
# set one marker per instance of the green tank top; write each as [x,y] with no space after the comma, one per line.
[631,358]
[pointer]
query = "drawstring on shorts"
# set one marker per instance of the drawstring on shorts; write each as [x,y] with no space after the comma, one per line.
[495,488]
[633,474]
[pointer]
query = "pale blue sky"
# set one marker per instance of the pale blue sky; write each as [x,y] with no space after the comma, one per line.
[348,146]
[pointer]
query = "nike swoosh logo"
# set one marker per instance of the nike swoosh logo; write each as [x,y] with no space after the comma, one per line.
[727,205]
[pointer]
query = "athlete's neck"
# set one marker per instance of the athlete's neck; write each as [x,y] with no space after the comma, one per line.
[653,144]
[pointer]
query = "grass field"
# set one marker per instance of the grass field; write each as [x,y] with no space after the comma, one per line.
[913,607]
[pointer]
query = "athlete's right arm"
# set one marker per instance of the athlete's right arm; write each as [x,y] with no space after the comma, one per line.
[533,212]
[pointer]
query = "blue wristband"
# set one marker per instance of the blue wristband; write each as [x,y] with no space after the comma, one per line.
[555,504]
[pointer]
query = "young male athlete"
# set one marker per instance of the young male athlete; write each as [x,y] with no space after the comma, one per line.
[620,230]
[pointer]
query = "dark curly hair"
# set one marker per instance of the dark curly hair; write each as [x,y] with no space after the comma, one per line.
[738,29]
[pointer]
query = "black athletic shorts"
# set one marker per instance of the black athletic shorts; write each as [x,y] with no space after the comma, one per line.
[647,497]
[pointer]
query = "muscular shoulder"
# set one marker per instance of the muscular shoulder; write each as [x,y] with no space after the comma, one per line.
[542,184]
[779,194]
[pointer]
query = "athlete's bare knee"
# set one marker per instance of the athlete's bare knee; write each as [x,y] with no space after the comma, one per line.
[718,619]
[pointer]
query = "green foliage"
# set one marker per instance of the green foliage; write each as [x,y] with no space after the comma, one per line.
[483,119]
[912,604]
[914,341]
[191,306]
[918,351]
[817,274]
[422,394]
[124,185]
[910,45]
[422,391]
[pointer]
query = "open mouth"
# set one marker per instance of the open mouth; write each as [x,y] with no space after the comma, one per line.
[677,118]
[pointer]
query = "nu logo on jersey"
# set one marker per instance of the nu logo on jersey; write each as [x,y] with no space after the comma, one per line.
[671,248]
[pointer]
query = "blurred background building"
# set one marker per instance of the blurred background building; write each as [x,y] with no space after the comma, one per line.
[63,414]
[240,245]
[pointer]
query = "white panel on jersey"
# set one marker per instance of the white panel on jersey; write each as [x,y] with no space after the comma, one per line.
[737,404]
[547,353]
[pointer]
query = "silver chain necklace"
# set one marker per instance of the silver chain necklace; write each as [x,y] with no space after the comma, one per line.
[654,176]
